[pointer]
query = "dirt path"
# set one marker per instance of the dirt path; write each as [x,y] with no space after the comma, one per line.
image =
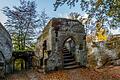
[108,73]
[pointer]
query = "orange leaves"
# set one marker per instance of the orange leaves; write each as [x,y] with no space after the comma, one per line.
[73,74]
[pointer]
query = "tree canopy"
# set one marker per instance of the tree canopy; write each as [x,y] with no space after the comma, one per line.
[74,15]
[105,11]
[43,19]
[25,24]
[22,22]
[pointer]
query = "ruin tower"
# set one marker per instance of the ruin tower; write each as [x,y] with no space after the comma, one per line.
[62,44]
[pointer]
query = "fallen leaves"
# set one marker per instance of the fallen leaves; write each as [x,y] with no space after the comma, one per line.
[107,73]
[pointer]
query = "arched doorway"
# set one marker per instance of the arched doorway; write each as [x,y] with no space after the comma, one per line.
[22,60]
[69,54]
[19,64]
[69,44]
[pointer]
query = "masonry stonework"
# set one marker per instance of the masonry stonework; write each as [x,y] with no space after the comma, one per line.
[5,50]
[51,42]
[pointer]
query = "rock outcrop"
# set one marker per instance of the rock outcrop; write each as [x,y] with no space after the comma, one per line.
[109,53]
[5,49]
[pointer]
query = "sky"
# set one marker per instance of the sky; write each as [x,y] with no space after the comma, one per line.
[41,4]
[62,11]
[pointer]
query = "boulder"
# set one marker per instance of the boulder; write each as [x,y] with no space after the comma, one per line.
[5,43]
[5,50]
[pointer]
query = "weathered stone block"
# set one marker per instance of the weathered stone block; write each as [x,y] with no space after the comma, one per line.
[54,38]
[5,47]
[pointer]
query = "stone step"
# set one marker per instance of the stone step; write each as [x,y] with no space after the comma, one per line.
[69,60]
[68,57]
[65,51]
[70,63]
[65,54]
[71,67]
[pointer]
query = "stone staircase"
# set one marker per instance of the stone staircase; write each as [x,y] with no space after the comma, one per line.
[69,60]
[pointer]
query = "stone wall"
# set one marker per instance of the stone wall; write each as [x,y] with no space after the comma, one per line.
[5,47]
[56,33]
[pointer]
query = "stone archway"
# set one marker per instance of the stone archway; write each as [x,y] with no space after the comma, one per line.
[19,64]
[70,44]
[68,53]
[24,60]
[58,33]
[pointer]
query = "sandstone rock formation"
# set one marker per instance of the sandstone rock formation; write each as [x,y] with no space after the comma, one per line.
[5,48]
[109,54]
